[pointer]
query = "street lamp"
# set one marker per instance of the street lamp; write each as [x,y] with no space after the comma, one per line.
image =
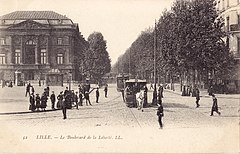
[154,100]
[70,79]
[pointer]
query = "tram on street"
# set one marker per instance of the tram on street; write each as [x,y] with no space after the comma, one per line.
[131,88]
[121,78]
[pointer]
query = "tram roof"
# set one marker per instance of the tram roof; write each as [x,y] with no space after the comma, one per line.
[136,80]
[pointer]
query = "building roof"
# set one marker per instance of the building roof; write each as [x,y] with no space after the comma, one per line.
[37,15]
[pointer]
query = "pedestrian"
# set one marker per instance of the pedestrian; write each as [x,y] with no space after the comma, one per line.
[76,99]
[39,83]
[151,86]
[140,99]
[97,95]
[64,107]
[210,90]
[66,92]
[80,98]
[32,106]
[214,106]
[32,89]
[106,90]
[145,96]
[47,91]
[160,91]
[160,115]
[197,97]
[68,101]
[28,89]
[184,91]
[60,99]
[38,100]
[86,96]
[72,97]
[44,101]
[53,100]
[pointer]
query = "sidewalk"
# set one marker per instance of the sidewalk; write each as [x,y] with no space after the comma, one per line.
[204,93]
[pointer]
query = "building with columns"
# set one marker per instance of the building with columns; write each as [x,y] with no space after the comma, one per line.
[229,10]
[39,45]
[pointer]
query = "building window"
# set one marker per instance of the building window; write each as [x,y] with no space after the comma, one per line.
[30,42]
[43,56]
[17,56]
[2,41]
[2,58]
[59,41]
[59,58]
[227,24]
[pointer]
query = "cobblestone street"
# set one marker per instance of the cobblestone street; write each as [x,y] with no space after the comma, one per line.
[110,125]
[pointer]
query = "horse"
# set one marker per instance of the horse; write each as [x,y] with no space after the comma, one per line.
[140,99]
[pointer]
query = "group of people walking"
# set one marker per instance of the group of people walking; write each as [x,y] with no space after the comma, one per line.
[64,100]
[37,102]
[160,113]
[214,105]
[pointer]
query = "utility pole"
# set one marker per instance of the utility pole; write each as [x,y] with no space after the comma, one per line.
[154,100]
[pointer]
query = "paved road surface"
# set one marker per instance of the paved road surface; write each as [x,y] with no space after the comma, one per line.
[110,126]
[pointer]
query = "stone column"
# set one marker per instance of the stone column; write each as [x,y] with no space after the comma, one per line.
[36,51]
[21,52]
[47,51]
[11,51]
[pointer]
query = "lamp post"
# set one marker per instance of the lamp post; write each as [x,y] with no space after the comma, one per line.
[70,79]
[154,100]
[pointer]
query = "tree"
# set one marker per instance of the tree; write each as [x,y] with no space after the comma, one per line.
[97,58]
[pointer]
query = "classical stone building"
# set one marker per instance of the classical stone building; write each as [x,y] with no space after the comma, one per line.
[229,10]
[39,45]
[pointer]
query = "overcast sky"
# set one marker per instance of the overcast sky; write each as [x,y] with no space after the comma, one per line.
[120,21]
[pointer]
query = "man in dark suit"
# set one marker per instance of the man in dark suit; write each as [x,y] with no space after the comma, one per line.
[160,115]
[97,95]
[53,99]
[197,97]
[214,106]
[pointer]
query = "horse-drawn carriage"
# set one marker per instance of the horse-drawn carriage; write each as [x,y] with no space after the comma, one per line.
[132,87]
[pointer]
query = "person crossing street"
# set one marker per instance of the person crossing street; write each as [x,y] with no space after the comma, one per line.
[214,106]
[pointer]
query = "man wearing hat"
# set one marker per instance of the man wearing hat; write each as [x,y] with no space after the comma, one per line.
[53,99]
[97,95]
[38,102]
[160,115]
[214,106]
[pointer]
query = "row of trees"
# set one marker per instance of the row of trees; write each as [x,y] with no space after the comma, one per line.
[189,46]
[94,61]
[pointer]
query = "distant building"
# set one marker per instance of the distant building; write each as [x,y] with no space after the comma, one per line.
[229,10]
[39,45]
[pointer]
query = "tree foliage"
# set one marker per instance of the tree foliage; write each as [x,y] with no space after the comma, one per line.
[97,58]
[189,38]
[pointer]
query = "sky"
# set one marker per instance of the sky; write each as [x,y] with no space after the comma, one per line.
[120,21]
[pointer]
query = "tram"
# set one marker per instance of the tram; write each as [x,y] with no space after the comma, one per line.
[132,87]
[121,78]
